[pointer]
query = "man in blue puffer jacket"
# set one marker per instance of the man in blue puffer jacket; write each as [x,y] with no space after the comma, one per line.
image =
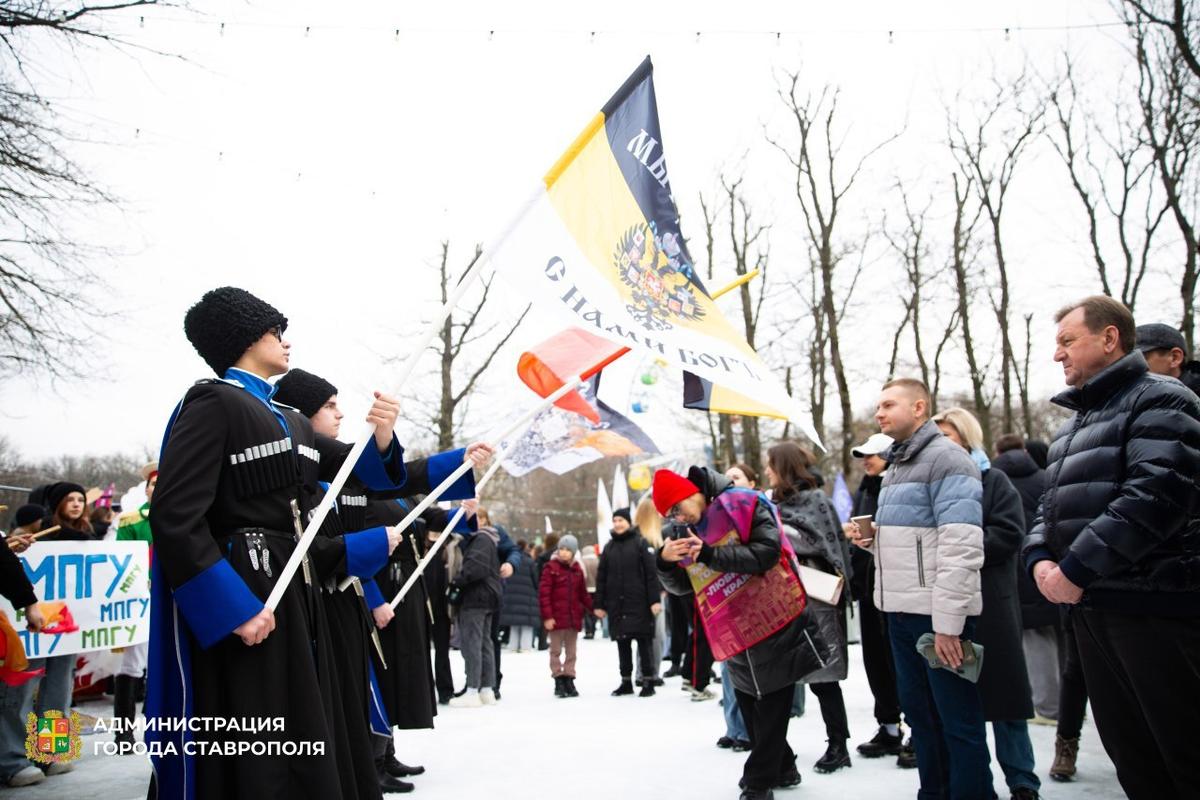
[1118,539]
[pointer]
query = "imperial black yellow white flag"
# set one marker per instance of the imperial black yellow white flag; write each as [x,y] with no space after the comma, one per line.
[601,245]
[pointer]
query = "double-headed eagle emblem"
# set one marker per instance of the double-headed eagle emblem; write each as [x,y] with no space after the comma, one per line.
[657,273]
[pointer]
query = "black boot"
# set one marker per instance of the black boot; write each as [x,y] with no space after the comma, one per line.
[125,708]
[907,758]
[626,687]
[834,759]
[396,768]
[388,785]
[789,777]
[883,744]
[673,672]
[756,794]
[560,689]
[647,688]
[569,684]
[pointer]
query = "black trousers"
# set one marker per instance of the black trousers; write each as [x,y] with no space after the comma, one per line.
[698,660]
[679,616]
[833,710]
[645,646]
[1072,687]
[497,646]
[877,659]
[1143,678]
[766,721]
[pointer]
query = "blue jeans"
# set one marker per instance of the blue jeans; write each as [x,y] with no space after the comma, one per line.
[735,728]
[16,702]
[945,714]
[1014,751]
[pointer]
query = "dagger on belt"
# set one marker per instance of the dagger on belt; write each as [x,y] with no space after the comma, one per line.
[358,590]
[412,540]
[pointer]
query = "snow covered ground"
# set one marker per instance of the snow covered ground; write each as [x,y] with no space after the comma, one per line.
[532,744]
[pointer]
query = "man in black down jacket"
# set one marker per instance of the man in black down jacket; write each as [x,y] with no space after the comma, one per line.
[764,674]
[1119,539]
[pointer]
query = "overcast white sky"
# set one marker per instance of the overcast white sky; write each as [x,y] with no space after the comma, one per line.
[321,170]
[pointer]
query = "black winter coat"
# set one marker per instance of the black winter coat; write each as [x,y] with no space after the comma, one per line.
[794,651]
[1120,512]
[519,605]
[862,563]
[479,576]
[1004,680]
[1030,481]
[14,583]
[626,585]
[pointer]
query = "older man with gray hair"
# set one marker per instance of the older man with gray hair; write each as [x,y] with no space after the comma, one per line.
[1118,539]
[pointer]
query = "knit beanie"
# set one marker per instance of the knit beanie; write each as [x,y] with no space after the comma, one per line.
[226,322]
[569,542]
[58,492]
[28,514]
[623,513]
[669,488]
[304,391]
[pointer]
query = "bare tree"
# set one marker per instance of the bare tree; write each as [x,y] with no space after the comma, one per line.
[822,185]
[724,448]
[960,261]
[744,234]
[1114,177]
[1179,18]
[460,362]
[42,189]
[1170,127]
[989,148]
[912,245]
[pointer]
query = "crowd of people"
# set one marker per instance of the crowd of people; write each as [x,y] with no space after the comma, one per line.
[1003,587]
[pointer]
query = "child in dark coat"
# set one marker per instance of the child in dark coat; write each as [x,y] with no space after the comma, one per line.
[478,586]
[564,601]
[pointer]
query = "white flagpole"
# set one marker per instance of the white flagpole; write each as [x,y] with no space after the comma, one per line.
[335,486]
[524,423]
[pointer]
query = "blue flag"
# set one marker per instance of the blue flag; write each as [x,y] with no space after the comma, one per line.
[842,500]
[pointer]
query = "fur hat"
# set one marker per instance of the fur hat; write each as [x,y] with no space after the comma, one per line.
[669,488]
[624,514]
[304,391]
[226,322]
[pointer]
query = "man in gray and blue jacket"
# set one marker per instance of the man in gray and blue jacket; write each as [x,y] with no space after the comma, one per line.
[928,548]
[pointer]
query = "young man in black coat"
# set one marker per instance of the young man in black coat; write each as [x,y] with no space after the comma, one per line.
[627,594]
[1118,538]
[400,668]
[238,474]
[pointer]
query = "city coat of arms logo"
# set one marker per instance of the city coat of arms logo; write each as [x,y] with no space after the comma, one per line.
[657,273]
[53,737]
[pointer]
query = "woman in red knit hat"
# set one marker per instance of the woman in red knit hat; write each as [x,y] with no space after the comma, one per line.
[725,543]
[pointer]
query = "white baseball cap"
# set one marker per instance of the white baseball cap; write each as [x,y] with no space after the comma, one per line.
[877,443]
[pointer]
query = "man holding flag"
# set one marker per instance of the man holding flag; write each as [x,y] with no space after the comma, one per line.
[238,474]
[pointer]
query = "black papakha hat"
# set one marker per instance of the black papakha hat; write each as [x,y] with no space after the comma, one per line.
[226,322]
[304,391]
